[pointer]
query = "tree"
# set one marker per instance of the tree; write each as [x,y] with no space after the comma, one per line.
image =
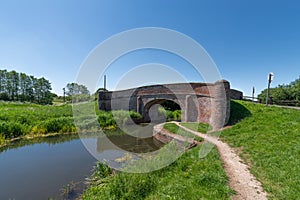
[22,94]
[16,86]
[3,85]
[77,92]
[43,93]
[290,92]
[76,89]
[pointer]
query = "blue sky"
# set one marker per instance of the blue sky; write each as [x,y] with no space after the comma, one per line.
[246,39]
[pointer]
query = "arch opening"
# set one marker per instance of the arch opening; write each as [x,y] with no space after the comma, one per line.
[162,110]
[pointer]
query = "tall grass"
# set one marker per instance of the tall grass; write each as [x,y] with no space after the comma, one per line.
[19,119]
[187,178]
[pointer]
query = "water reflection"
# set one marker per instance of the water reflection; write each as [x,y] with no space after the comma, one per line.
[129,143]
[42,168]
[51,140]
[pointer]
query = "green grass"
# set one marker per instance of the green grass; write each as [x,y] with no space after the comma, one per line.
[269,138]
[21,119]
[187,178]
[200,127]
[238,112]
[177,130]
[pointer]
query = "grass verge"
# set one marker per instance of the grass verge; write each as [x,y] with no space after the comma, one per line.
[196,126]
[173,128]
[269,141]
[187,178]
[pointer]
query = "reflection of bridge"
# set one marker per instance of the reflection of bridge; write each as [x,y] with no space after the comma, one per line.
[199,102]
[128,143]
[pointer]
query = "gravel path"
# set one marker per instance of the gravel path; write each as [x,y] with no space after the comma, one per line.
[240,178]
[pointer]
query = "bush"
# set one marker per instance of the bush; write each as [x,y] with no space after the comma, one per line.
[106,119]
[121,116]
[56,125]
[173,115]
[135,115]
[12,129]
[2,139]
[38,130]
[118,117]
[177,114]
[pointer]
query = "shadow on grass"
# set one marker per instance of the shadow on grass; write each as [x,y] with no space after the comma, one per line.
[237,112]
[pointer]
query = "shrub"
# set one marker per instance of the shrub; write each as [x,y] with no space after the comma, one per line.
[56,125]
[38,130]
[177,114]
[106,119]
[173,115]
[135,115]
[12,129]
[2,138]
[15,129]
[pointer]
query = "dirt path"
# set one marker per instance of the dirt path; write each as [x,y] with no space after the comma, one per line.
[240,178]
[290,107]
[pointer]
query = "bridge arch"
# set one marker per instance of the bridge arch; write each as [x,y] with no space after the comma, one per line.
[150,109]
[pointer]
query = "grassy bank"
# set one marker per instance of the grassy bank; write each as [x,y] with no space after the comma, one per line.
[187,178]
[25,120]
[269,141]
[200,127]
[173,128]
[18,120]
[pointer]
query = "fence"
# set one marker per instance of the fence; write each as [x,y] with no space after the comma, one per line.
[272,101]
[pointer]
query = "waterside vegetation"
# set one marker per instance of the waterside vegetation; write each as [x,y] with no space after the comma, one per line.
[187,178]
[27,120]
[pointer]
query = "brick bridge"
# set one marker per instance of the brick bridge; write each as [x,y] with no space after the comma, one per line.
[199,102]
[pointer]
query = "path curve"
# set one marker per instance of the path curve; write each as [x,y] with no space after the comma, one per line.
[240,178]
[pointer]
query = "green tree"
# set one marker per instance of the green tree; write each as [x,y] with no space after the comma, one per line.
[22,94]
[16,86]
[77,92]
[3,85]
[281,93]
[45,88]
[76,89]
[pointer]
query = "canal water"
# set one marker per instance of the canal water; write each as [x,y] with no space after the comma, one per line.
[47,168]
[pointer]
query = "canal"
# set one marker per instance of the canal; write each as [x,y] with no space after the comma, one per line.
[56,167]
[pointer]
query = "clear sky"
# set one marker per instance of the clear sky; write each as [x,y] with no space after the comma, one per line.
[246,39]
